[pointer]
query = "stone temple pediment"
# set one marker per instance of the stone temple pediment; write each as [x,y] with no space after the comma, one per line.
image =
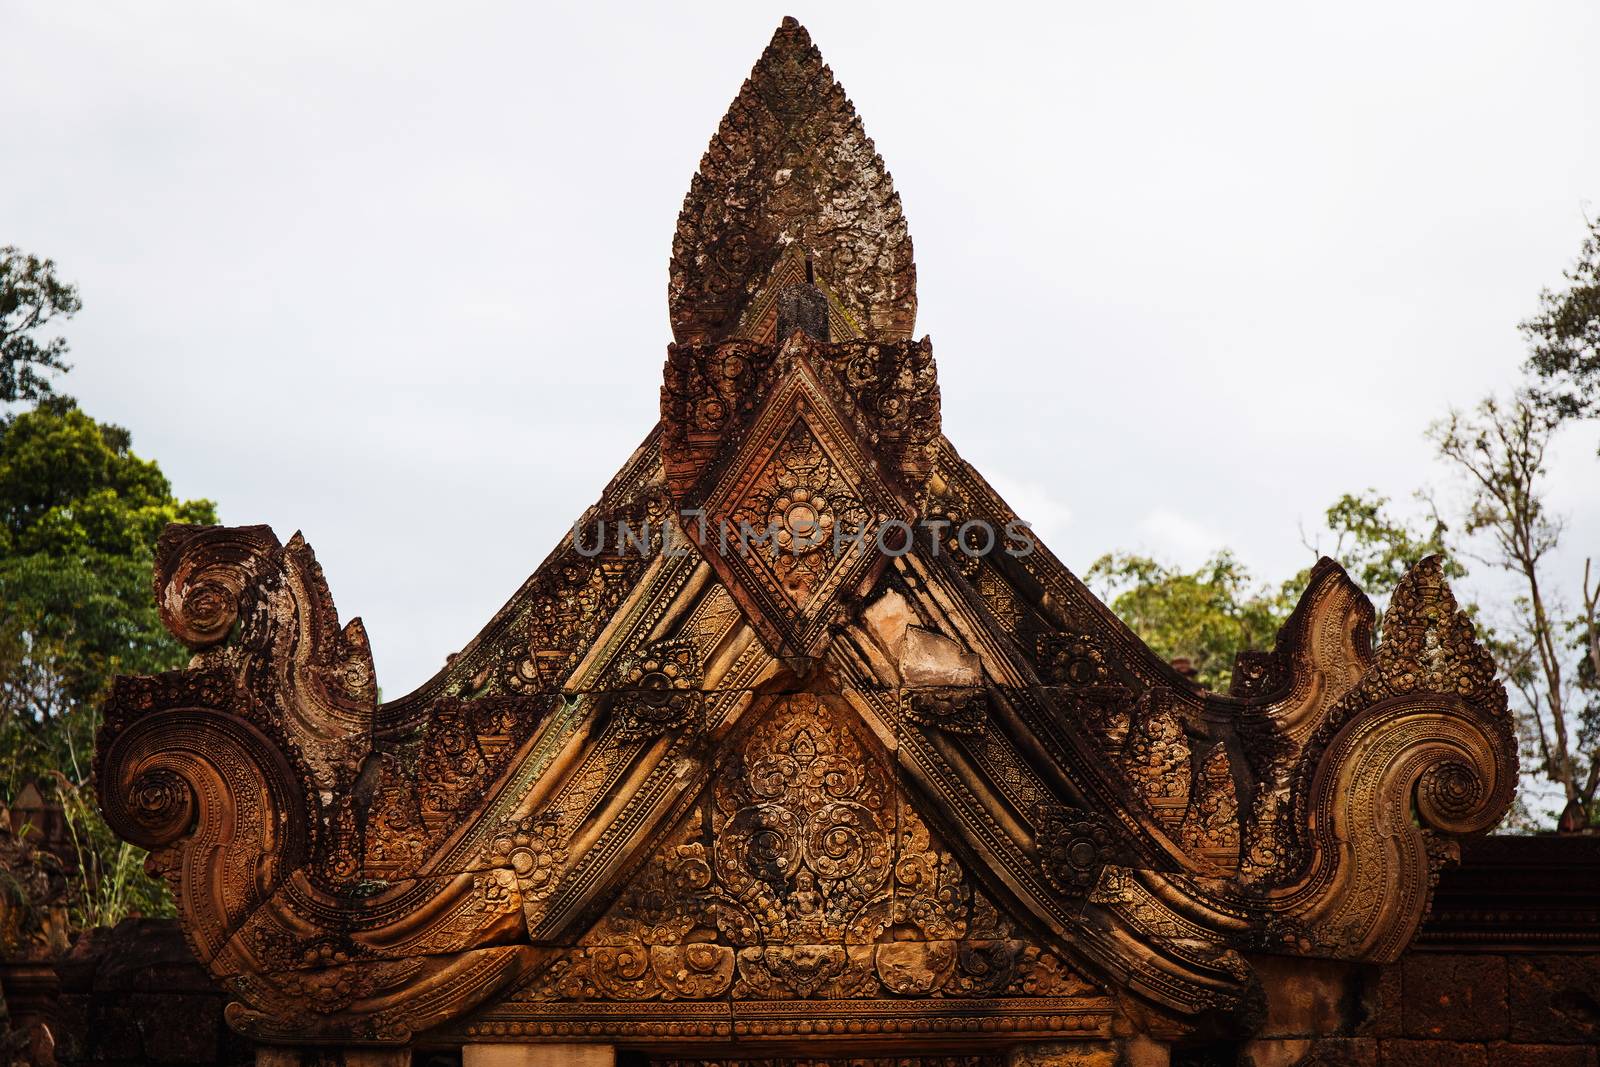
[801,733]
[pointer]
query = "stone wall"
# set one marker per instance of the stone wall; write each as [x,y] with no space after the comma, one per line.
[1506,972]
[1461,1009]
[133,994]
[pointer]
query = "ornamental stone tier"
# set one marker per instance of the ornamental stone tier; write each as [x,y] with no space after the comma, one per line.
[800,737]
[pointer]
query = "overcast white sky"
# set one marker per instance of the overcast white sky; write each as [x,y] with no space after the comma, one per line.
[394,274]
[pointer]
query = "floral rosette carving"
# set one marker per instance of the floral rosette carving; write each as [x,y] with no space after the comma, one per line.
[1072,659]
[658,692]
[535,851]
[1073,845]
[963,711]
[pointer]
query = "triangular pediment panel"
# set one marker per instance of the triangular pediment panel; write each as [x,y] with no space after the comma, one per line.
[795,515]
[803,884]
[759,320]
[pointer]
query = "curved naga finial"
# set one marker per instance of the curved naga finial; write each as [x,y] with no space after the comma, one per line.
[1372,782]
[791,178]
[243,775]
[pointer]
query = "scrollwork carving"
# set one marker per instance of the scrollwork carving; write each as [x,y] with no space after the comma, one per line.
[728,757]
[954,710]
[658,692]
[1211,827]
[807,876]
[1156,756]
[241,776]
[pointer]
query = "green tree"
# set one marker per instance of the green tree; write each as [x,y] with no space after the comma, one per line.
[1376,547]
[80,513]
[1206,616]
[30,297]
[1211,614]
[1564,338]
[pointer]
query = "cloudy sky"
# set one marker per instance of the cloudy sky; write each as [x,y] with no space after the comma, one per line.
[394,274]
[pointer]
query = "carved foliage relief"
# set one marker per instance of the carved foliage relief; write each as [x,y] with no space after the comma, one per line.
[803,873]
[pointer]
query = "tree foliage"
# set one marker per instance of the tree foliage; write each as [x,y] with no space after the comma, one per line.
[1211,614]
[1564,338]
[1377,547]
[31,296]
[1206,616]
[80,513]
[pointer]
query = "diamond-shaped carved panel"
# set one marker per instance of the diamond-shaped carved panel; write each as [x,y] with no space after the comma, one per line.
[797,518]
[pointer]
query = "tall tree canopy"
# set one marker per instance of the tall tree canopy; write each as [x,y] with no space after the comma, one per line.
[1564,337]
[30,297]
[1377,547]
[80,513]
[79,518]
[1497,451]
[1205,616]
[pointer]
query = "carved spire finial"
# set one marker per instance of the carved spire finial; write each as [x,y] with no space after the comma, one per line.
[790,176]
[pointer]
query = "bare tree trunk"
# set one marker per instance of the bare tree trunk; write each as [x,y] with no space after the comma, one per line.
[1501,451]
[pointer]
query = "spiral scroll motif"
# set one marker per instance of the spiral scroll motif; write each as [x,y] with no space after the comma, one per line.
[215,802]
[1444,759]
[203,575]
[800,822]
[162,803]
[1450,793]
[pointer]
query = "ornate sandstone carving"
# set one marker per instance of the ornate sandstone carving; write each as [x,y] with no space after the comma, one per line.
[803,875]
[773,745]
[790,171]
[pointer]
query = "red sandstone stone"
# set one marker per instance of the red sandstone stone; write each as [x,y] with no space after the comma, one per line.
[1510,1055]
[1458,997]
[1403,1053]
[1555,998]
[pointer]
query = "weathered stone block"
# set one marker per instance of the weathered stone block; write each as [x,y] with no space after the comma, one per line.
[538,1056]
[329,1056]
[1511,1055]
[1455,997]
[1555,999]
[1343,1052]
[1066,1054]
[1306,998]
[1398,1052]
[177,1027]
[1381,1002]
[71,1029]
[114,1032]
[1275,1052]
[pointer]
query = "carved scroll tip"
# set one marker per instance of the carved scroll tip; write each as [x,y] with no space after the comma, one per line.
[790,30]
[1325,565]
[355,631]
[1430,642]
